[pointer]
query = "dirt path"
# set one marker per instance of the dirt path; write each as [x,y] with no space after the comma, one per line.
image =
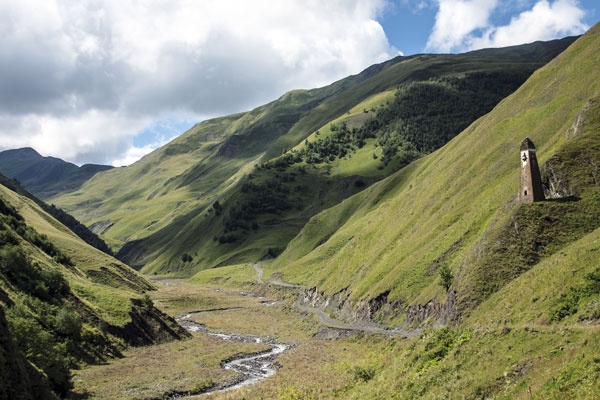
[327,320]
[273,280]
[259,273]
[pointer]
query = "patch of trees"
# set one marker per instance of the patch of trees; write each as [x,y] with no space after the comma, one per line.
[39,338]
[44,284]
[270,196]
[422,118]
[42,328]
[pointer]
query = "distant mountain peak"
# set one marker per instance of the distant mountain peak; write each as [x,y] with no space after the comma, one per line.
[24,152]
[45,176]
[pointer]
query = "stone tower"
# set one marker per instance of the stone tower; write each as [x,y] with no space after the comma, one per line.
[531,179]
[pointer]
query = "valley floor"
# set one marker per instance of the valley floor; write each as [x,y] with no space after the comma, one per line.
[325,359]
[318,359]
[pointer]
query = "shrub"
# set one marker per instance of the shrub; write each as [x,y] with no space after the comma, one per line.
[41,348]
[446,276]
[363,374]
[45,284]
[68,323]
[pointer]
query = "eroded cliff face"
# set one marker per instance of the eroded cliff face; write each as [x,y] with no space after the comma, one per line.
[380,309]
[148,325]
[433,311]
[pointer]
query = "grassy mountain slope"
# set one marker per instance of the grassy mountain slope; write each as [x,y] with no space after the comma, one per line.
[537,337]
[66,219]
[66,303]
[388,75]
[525,288]
[183,177]
[457,208]
[45,176]
[161,208]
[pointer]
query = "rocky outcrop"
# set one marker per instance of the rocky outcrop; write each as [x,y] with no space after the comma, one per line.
[433,311]
[380,309]
[148,325]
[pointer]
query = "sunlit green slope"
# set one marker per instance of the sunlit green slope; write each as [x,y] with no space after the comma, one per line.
[160,211]
[457,208]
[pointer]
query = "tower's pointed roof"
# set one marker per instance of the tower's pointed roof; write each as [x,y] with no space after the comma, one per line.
[527,145]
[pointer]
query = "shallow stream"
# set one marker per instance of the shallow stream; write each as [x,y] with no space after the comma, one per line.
[252,368]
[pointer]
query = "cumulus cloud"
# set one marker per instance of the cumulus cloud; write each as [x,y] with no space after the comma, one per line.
[456,20]
[545,21]
[462,25]
[80,78]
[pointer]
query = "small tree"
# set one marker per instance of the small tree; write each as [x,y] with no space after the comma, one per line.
[217,207]
[446,277]
[68,323]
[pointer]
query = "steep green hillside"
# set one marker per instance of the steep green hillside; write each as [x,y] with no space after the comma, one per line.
[538,337]
[45,176]
[456,210]
[64,302]
[182,178]
[224,193]
[19,379]
[66,219]
[445,242]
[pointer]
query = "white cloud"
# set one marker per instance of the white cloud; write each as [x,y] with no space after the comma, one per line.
[465,25]
[80,78]
[134,153]
[456,20]
[545,21]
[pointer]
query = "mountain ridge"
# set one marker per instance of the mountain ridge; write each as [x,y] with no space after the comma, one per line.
[45,176]
[174,188]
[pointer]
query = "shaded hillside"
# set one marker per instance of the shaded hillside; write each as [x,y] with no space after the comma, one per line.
[381,254]
[66,219]
[162,206]
[19,379]
[65,303]
[45,176]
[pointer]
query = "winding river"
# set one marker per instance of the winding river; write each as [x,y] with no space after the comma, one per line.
[252,368]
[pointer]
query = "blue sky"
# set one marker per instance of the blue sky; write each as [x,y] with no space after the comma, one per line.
[408,24]
[107,81]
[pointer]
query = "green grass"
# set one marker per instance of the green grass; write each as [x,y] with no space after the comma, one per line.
[524,353]
[231,274]
[464,195]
